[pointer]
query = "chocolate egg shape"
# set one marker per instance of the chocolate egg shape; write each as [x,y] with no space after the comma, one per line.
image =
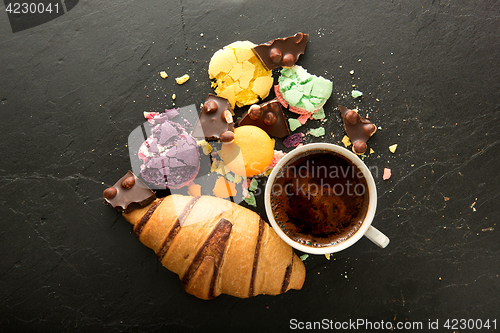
[289,60]
[128,182]
[210,107]
[269,119]
[275,55]
[352,117]
[109,193]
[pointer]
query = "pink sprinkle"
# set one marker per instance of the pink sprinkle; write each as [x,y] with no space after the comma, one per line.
[303,118]
[151,115]
[246,183]
[387,174]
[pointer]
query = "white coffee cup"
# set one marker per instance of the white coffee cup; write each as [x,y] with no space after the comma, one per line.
[366,229]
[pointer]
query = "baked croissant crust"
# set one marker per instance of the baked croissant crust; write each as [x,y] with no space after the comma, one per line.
[217,247]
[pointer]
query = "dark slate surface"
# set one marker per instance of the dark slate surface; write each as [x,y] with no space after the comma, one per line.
[72,90]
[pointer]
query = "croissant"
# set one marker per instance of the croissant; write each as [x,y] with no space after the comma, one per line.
[217,247]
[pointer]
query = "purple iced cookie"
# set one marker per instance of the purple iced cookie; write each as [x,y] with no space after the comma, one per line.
[170,155]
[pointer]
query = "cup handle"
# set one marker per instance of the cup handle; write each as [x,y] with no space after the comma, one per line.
[377,237]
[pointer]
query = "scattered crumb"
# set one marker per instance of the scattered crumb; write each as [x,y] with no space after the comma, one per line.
[393,148]
[174,96]
[446,198]
[163,74]
[317,132]
[356,94]
[237,179]
[183,79]
[327,255]
[346,141]
[320,114]
[224,188]
[351,72]
[304,257]
[253,185]
[372,151]
[230,177]
[473,204]
[293,140]
[294,124]
[387,174]
[205,146]
[251,199]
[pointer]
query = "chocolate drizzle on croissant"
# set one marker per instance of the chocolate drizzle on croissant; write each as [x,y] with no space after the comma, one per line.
[256,258]
[145,218]
[213,247]
[216,246]
[286,279]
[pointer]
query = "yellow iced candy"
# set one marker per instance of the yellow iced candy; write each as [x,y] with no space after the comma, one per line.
[239,75]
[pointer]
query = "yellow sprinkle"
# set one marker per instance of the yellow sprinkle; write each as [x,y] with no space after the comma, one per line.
[393,148]
[346,141]
[221,169]
[174,96]
[237,179]
[163,74]
[205,146]
[214,166]
[182,79]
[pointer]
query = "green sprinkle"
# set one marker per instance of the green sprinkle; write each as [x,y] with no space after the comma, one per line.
[294,124]
[253,185]
[356,94]
[317,132]
[229,176]
[304,257]
[320,114]
[251,200]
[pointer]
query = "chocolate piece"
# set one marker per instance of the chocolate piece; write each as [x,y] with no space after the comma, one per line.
[281,51]
[212,122]
[126,199]
[358,129]
[268,116]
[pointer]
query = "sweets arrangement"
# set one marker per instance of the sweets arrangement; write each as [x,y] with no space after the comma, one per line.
[215,245]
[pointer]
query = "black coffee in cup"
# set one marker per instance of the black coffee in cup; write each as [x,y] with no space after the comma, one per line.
[319,198]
